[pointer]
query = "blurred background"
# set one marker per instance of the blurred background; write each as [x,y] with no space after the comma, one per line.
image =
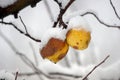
[105,41]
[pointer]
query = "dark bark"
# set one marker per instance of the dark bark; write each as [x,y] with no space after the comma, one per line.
[16,7]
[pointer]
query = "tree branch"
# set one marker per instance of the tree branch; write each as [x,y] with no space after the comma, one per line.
[62,11]
[16,75]
[60,4]
[114,10]
[26,34]
[86,13]
[66,75]
[51,73]
[16,7]
[23,24]
[95,67]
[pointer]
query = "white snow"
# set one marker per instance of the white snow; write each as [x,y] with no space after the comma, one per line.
[5,3]
[80,22]
[111,72]
[58,33]
[6,75]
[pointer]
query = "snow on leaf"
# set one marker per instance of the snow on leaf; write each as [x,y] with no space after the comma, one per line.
[54,46]
[53,33]
[79,33]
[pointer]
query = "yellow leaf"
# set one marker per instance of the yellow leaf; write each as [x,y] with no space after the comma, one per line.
[78,38]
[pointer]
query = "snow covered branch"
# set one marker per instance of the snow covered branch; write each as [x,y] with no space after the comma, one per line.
[16,7]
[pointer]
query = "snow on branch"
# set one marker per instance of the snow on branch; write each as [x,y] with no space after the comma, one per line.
[16,7]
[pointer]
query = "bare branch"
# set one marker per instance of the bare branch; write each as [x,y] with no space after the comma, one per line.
[23,25]
[114,10]
[16,75]
[24,58]
[52,74]
[60,4]
[26,34]
[16,7]
[96,67]
[62,11]
[66,75]
[86,13]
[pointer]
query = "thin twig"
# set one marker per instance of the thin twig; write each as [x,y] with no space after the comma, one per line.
[114,10]
[86,13]
[23,25]
[16,75]
[26,34]
[66,75]
[23,57]
[62,11]
[53,74]
[96,67]
[30,64]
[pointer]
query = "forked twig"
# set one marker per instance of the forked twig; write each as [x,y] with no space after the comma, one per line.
[114,26]
[96,67]
[22,32]
[86,13]
[23,25]
[62,11]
